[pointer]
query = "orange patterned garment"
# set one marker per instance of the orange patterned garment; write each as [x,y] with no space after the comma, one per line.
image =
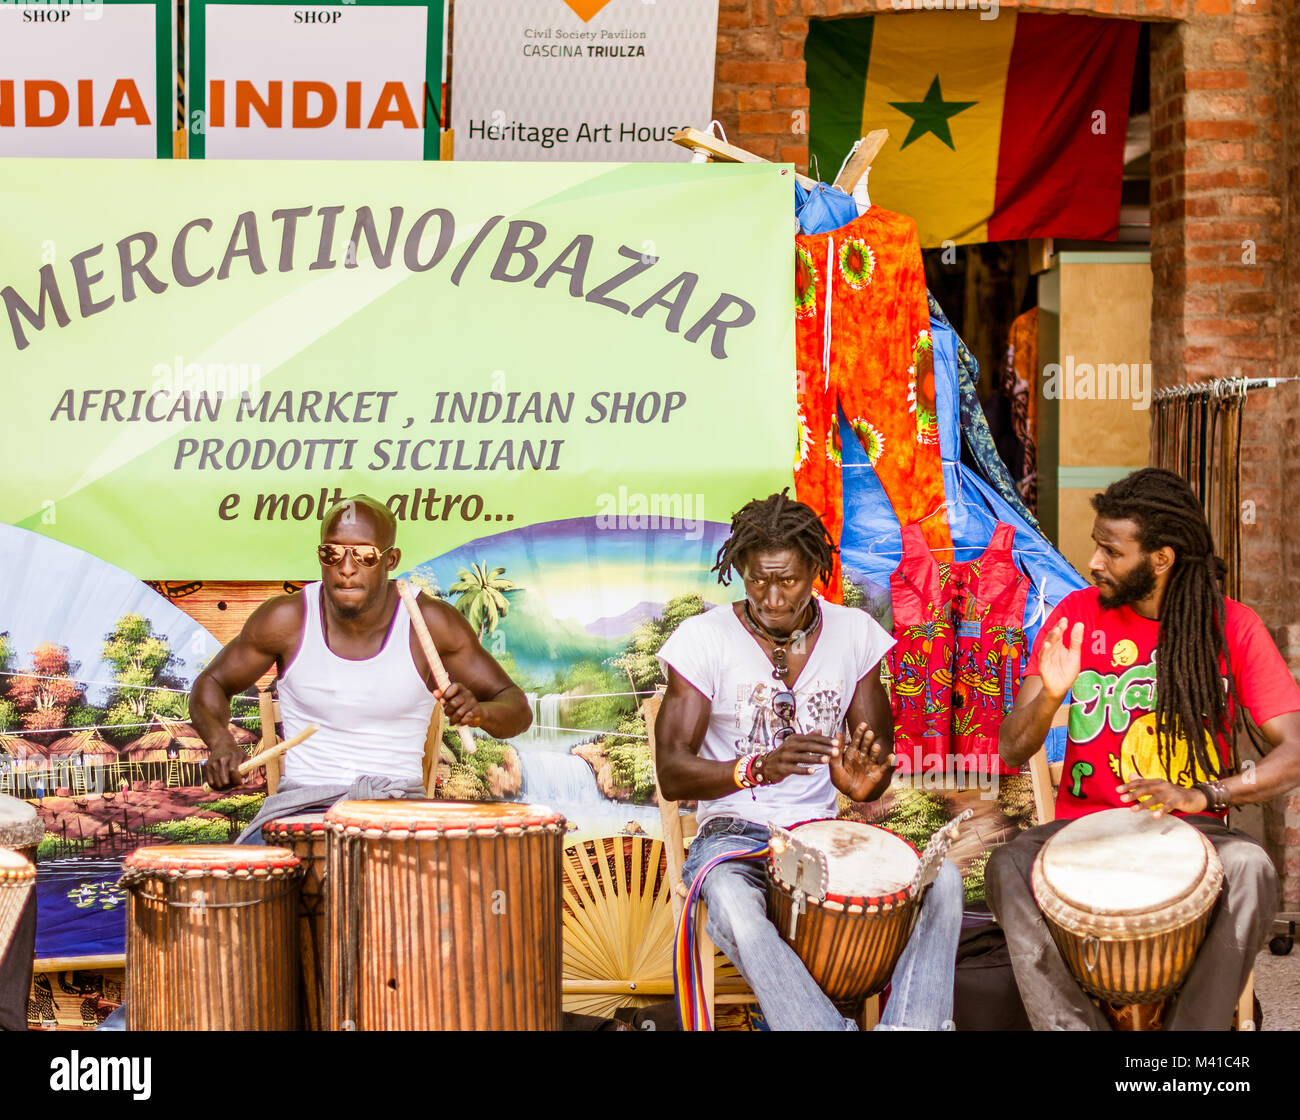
[862,342]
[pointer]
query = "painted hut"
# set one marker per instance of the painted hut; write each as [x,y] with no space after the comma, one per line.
[85,762]
[171,751]
[23,767]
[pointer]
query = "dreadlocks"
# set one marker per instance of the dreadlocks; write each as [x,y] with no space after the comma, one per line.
[1191,640]
[770,525]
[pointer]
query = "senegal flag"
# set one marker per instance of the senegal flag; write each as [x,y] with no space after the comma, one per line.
[999,128]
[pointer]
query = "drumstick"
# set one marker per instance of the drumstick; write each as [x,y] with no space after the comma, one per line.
[431,653]
[251,764]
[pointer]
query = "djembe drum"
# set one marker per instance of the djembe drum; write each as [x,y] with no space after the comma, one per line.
[212,937]
[443,915]
[305,835]
[21,830]
[1127,898]
[17,881]
[845,902]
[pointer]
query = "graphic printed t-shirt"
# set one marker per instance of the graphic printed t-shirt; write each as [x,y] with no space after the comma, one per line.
[1112,729]
[721,659]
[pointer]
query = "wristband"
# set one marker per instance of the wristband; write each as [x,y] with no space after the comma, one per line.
[1217,797]
[740,774]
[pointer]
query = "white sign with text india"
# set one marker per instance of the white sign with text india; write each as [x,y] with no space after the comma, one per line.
[599,80]
[81,79]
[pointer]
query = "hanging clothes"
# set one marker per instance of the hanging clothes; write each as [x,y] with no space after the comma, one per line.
[976,438]
[959,654]
[862,343]
[988,597]
[1022,382]
[920,661]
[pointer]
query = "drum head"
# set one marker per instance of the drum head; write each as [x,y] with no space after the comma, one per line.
[20,827]
[211,859]
[440,816]
[862,861]
[1120,862]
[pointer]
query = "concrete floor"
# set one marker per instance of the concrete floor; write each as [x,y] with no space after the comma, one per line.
[1277,984]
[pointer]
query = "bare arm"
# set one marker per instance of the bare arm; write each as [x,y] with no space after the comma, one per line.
[270,633]
[1277,773]
[1039,701]
[481,692]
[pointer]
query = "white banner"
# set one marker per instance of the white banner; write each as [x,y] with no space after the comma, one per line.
[82,79]
[333,81]
[603,80]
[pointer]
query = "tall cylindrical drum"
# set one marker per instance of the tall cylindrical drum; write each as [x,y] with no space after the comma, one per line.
[443,916]
[305,836]
[212,938]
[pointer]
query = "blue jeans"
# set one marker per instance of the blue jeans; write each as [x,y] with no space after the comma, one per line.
[736,894]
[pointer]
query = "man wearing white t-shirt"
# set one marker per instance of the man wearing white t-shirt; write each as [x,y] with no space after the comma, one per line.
[760,696]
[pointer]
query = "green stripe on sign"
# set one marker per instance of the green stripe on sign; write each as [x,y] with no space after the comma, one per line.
[1092,478]
[836,53]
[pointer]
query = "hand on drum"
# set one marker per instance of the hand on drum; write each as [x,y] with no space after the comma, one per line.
[460,705]
[1161,797]
[863,766]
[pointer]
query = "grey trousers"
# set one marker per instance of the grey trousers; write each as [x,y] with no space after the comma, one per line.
[1241,923]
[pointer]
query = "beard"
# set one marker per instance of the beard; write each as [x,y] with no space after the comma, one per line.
[1133,588]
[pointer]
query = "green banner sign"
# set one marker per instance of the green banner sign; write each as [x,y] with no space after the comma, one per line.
[198,358]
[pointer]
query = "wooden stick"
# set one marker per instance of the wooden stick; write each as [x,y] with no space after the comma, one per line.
[431,654]
[721,151]
[250,764]
[862,159]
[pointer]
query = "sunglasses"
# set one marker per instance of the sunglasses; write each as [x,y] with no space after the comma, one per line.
[367,555]
[783,707]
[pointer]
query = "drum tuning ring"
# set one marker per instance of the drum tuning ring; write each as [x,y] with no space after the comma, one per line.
[349,1025]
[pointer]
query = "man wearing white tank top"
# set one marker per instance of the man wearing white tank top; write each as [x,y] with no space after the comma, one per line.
[753,725]
[349,661]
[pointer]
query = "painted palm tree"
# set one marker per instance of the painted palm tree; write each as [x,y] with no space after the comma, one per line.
[1012,639]
[482,601]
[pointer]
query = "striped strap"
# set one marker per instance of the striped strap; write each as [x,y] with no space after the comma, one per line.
[688,980]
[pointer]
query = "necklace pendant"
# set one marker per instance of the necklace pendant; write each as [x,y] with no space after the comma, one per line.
[780,672]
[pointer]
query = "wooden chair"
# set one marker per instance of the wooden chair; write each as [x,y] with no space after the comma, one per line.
[1044,778]
[723,983]
[269,709]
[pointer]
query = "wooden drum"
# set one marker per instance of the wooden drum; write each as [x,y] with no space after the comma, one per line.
[212,938]
[1127,898]
[305,836]
[443,915]
[854,928]
[17,881]
[21,827]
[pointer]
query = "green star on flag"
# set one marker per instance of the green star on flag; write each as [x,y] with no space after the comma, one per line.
[931,115]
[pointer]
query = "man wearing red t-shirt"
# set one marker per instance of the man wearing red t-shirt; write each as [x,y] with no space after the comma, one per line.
[1157,603]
